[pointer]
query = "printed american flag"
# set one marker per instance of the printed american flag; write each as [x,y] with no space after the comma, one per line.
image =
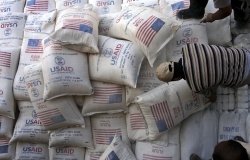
[112,156]
[95,156]
[34,46]
[162,116]
[37,5]
[149,29]
[78,24]
[152,157]
[137,121]
[107,95]
[5,59]
[180,5]
[105,136]
[50,117]
[4,145]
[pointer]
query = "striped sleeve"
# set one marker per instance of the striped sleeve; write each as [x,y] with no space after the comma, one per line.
[206,66]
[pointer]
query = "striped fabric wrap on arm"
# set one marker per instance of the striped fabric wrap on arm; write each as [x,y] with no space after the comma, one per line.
[207,66]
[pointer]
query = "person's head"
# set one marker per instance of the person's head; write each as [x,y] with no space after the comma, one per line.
[229,150]
[165,71]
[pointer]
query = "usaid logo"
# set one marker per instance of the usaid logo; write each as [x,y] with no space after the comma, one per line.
[34,115]
[108,52]
[34,92]
[59,60]
[127,15]
[105,9]
[7,32]
[187,32]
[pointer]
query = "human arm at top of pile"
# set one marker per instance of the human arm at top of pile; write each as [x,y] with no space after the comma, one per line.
[221,13]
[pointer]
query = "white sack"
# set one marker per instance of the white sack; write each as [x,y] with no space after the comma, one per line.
[107,98]
[148,28]
[11,5]
[242,97]
[136,125]
[39,6]
[7,151]
[147,80]
[242,41]
[226,99]
[190,31]
[92,155]
[65,71]
[29,127]
[218,32]
[104,128]
[77,28]
[119,62]
[166,147]
[8,65]
[209,128]
[167,105]
[248,127]
[73,136]
[105,22]
[147,3]
[64,4]
[11,29]
[171,7]
[232,124]
[6,127]
[146,150]
[105,7]
[195,132]
[190,136]
[118,150]
[31,52]
[40,23]
[66,153]
[56,113]
[31,151]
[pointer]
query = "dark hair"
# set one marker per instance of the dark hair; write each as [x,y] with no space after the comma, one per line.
[229,150]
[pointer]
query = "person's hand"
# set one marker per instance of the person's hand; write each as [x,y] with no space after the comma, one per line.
[208,18]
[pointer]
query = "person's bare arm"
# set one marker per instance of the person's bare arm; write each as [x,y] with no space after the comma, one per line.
[221,13]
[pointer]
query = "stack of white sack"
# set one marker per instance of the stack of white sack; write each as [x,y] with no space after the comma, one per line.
[168,105]
[30,136]
[31,53]
[53,114]
[12,22]
[86,84]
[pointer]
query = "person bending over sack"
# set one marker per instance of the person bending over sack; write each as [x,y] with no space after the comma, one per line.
[228,150]
[205,67]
